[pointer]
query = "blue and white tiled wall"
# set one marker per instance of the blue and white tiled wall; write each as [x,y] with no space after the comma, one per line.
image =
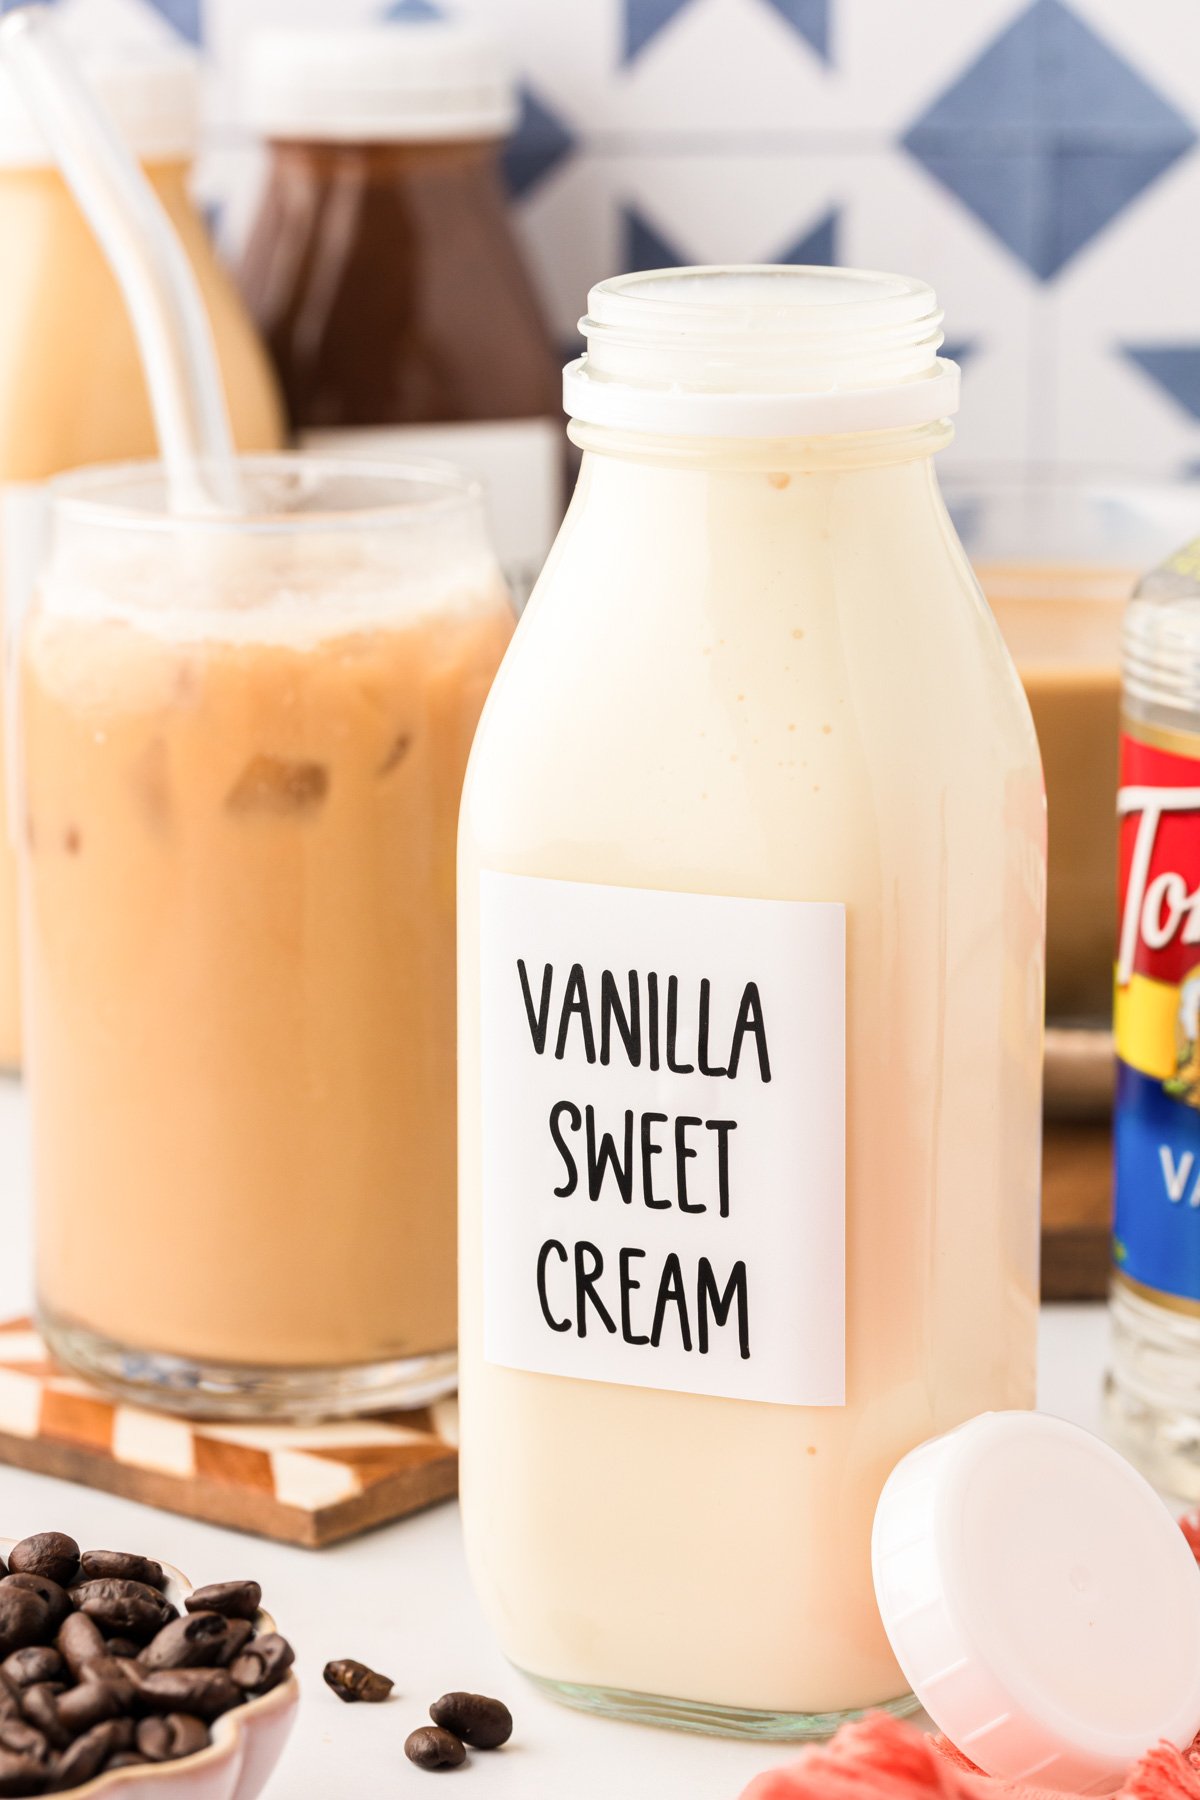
[1037,160]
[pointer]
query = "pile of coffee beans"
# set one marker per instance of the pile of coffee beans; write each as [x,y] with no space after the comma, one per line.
[98,1670]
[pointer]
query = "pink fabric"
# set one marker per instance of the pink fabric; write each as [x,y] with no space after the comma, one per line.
[880,1758]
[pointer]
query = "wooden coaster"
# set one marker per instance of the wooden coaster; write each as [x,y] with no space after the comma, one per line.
[305,1484]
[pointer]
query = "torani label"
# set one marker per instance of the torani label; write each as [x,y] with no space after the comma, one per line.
[1156,1232]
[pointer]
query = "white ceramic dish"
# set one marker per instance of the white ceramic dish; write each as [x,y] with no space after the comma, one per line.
[246,1743]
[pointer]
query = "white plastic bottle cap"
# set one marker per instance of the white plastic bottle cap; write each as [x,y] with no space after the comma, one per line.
[151,93]
[1041,1601]
[411,81]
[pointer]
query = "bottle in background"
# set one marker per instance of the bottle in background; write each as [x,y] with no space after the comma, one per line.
[1154,1382]
[71,387]
[384,270]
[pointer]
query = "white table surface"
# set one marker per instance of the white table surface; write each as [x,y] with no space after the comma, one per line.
[399,1599]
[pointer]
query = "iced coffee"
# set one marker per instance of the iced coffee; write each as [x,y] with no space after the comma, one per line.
[1057,560]
[243,743]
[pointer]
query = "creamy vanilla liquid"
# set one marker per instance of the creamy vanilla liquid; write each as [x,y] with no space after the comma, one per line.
[756,700]
[240,825]
[72,393]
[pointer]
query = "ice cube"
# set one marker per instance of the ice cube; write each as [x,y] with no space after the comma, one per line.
[280,785]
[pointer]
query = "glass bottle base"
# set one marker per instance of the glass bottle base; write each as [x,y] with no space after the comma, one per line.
[231,1391]
[1152,1390]
[704,1717]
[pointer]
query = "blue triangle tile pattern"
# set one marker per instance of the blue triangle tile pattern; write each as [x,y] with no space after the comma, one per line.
[1048,136]
[414,9]
[540,142]
[184,15]
[818,245]
[645,247]
[810,18]
[1176,369]
[644,19]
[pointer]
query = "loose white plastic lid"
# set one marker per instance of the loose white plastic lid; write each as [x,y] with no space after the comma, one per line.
[410,81]
[1041,1600]
[150,91]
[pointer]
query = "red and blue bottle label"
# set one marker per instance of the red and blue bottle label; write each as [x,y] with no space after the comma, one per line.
[1156,1126]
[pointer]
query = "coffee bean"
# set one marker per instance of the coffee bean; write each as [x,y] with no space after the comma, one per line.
[89,1703]
[20,1739]
[39,1704]
[49,1553]
[117,1565]
[205,1692]
[484,1724]
[79,1640]
[20,1775]
[111,1672]
[432,1748]
[126,1759]
[23,1617]
[37,1662]
[263,1664]
[352,1680]
[126,1608]
[234,1599]
[199,1640]
[120,1646]
[54,1598]
[168,1738]
[89,1753]
[238,1633]
[10,1697]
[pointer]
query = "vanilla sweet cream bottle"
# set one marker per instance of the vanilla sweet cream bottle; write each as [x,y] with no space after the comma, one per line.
[752,873]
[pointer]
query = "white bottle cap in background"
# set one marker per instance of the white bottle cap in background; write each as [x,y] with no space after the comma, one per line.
[151,92]
[1041,1601]
[411,81]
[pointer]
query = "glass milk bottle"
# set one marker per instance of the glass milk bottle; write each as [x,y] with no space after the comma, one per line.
[751,876]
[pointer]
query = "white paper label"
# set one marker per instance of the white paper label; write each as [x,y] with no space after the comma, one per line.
[519,462]
[664,1138]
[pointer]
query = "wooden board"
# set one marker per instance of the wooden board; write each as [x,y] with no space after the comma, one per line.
[1076,1210]
[309,1485]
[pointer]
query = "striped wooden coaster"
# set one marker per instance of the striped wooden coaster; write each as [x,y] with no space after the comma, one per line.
[304,1484]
